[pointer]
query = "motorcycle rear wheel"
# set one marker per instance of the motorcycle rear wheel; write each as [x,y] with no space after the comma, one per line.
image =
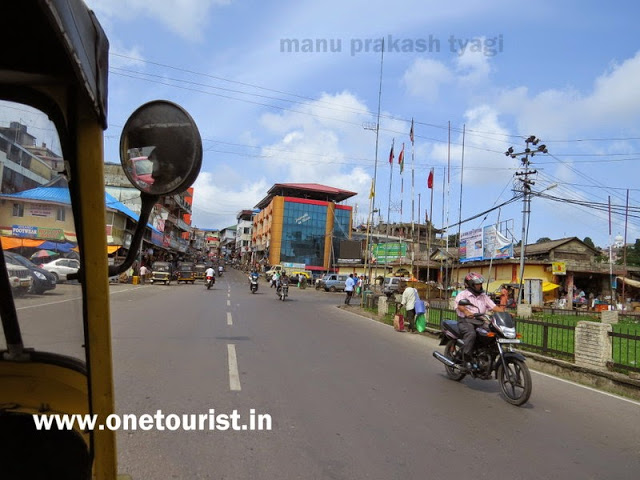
[453,353]
[515,381]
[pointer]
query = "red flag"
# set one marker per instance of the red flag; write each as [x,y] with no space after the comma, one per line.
[391,156]
[401,159]
[430,179]
[411,132]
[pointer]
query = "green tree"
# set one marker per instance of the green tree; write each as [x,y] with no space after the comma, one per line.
[589,242]
[633,254]
[543,239]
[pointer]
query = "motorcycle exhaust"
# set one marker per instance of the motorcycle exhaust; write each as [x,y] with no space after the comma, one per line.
[445,360]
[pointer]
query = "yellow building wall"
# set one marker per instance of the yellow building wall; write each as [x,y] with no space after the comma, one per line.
[331,207]
[277,220]
[46,222]
[509,273]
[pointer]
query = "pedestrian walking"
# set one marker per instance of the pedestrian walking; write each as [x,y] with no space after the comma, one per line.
[348,288]
[143,274]
[409,298]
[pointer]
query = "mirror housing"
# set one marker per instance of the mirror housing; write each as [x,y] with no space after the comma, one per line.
[161,154]
[464,302]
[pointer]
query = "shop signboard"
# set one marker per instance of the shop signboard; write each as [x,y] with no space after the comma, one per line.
[383,253]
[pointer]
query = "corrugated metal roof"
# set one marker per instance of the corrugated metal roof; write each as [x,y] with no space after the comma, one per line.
[61,196]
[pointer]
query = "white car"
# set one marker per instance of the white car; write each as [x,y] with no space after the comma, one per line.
[62,267]
[19,278]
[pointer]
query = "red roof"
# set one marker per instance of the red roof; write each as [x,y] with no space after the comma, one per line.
[313,191]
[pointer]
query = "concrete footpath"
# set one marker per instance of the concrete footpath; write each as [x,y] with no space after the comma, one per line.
[619,384]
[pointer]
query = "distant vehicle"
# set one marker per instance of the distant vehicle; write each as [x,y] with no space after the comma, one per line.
[303,272]
[186,274]
[391,285]
[41,279]
[61,267]
[334,282]
[198,271]
[271,272]
[161,272]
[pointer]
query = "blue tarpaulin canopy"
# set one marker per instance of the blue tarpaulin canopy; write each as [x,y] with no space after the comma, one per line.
[58,247]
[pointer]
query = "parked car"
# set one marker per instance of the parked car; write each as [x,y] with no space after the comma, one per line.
[61,267]
[391,285]
[41,279]
[334,282]
[19,278]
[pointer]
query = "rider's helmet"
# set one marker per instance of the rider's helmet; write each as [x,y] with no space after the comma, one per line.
[474,282]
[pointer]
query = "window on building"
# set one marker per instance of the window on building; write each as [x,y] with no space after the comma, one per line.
[61,213]
[18,210]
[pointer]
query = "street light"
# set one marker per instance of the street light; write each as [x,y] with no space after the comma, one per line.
[527,192]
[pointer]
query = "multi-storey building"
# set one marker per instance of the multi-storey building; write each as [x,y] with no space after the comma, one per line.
[302,224]
[171,216]
[243,235]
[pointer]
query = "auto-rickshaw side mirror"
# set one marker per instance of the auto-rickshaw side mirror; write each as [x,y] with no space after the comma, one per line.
[161,154]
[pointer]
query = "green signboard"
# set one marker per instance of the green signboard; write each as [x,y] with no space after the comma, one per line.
[382,253]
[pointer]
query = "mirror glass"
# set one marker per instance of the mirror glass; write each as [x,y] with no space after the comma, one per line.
[161,148]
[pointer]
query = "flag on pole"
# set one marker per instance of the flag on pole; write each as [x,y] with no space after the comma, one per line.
[430,179]
[391,156]
[372,193]
[411,132]
[401,159]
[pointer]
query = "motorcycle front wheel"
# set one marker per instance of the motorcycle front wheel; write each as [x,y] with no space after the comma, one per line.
[453,352]
[515,381]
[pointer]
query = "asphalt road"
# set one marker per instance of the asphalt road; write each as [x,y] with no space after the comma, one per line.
[348,397]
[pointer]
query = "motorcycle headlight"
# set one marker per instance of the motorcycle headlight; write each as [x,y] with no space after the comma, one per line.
[508,332]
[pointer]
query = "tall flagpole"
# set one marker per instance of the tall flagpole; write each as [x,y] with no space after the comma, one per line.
[390,181]
[413,244]
[430,185]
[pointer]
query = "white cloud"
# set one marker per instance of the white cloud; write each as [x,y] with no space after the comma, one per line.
[424,78]
[186,18]
[614,103]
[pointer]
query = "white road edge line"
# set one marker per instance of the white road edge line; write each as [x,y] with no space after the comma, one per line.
[234,376]
[533,371]
[229,320]
[586,387]
[228,303]
[71,300]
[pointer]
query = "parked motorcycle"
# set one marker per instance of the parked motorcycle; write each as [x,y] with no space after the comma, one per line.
[283,290]
[210,281]
[493,353]
[253,283]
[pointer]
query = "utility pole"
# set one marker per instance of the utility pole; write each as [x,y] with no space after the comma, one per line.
[526,199]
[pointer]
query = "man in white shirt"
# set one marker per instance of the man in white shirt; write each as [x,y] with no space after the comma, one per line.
[350,284]
[409,298]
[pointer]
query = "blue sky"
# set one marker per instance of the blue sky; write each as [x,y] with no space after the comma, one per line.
[567,72]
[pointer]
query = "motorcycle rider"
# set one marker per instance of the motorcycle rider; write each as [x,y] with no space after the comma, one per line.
[210,273]
[467,321]
[254,275]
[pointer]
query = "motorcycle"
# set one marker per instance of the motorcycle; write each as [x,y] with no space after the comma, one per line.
[253,283]
[283,290]
[210,281]
[493,353]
